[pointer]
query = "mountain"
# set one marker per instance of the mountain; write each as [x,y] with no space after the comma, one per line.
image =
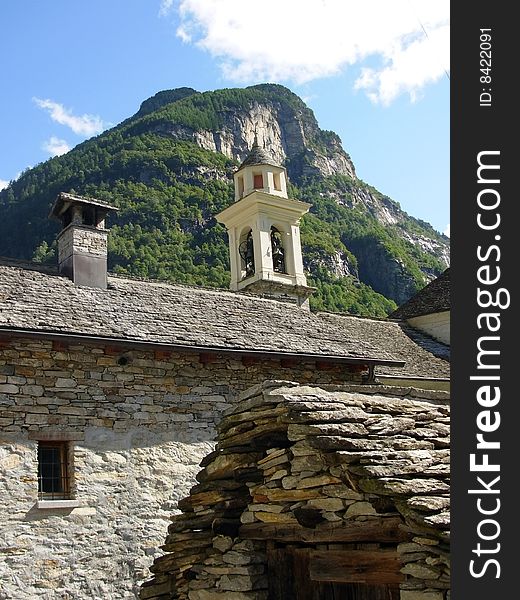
[169,170]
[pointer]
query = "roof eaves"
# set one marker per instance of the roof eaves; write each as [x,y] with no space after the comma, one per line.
[151,344]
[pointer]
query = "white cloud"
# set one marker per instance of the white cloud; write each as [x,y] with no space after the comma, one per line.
[4,183]
[406,41]
[55,146]
[166,6]
[81,125]
[409,68]
[447,230]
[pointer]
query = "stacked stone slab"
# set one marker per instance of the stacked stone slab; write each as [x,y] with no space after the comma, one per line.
[343,471]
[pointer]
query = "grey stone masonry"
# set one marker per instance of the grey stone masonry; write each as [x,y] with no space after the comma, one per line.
[82,239]
[137,423]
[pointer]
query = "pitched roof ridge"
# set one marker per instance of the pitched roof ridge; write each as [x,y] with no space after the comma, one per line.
[433,297]
[29,265]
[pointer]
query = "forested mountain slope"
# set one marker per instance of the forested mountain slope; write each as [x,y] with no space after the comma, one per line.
[169,170]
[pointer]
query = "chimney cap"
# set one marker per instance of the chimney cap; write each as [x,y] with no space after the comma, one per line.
[65,200]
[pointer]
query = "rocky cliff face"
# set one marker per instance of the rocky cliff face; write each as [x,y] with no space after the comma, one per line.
[376,266]
[289,131]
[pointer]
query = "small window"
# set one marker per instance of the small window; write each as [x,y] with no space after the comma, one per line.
[53,471]
[258,181]
[277,182]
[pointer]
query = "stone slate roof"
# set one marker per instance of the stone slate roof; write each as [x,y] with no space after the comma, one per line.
[433,298]
[39,300]
[423,356]
[64,200]
[393,441]
[258,156]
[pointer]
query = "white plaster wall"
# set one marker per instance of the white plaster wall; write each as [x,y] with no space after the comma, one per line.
[436,324]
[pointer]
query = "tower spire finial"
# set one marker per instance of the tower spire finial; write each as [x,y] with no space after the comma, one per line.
[255,141]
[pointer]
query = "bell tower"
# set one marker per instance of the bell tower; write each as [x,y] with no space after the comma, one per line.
[264,233]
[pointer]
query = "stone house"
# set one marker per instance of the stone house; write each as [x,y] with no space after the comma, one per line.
[429,310]
[111,388]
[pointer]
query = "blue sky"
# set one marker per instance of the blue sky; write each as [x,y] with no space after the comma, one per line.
[375,72]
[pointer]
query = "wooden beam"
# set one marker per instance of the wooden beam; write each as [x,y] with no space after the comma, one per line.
[207,357]
[325,366]
[379,529]
[289,363]
[375,567]
[113,350]
[358,368]
[248,361]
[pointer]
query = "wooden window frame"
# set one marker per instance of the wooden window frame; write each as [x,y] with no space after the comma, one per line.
[64,468]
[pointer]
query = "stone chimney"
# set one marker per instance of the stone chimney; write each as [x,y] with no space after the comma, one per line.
[82,242]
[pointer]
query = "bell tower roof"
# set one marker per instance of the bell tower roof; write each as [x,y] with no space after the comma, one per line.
[257,156]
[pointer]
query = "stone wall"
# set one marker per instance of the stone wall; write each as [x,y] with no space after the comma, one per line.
[82,239]
[139,422]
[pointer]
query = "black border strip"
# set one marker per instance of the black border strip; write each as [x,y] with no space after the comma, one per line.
[483,121]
